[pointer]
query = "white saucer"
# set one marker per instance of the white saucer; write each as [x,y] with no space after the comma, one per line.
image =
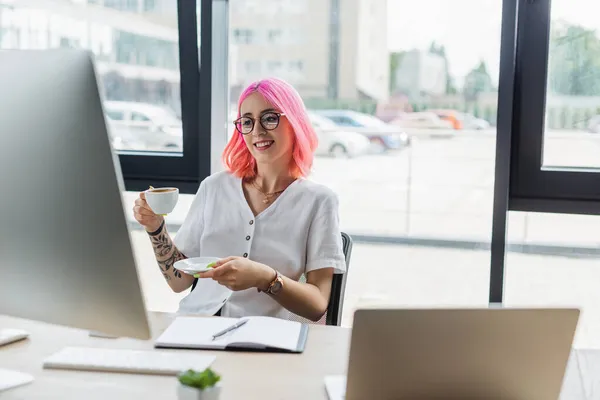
[195,265]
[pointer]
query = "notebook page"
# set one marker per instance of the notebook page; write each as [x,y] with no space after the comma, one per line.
[195,332]
[270,332]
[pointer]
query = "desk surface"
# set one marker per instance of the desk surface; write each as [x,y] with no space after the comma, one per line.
[245,375]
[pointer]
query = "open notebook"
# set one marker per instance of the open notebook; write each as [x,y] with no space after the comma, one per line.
[259,334]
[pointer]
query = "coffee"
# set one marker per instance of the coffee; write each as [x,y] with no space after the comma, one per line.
[162,190]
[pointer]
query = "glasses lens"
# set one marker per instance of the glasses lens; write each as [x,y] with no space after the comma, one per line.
[269,121]
[244,125]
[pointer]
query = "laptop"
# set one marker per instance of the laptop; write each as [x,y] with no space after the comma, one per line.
[491,353]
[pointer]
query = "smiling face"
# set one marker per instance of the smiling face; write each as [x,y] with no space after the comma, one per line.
[266,131]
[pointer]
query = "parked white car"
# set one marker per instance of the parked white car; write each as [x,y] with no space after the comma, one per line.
[336,142]
[142,126]
[383,136]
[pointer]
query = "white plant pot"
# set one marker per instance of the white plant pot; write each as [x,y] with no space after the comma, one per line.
[190,393]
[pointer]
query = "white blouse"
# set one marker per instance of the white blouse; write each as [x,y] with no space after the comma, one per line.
[299,232]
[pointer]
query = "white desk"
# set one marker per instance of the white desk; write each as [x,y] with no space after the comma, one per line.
[245,375]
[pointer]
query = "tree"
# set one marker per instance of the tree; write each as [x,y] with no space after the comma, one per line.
[477,81]
[574,61]
[441,51]
[395,60]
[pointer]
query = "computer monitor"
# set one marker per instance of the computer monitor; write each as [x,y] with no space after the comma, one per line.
[487,353]
[66,255]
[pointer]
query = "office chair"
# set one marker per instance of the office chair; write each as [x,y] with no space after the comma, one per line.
[333,315]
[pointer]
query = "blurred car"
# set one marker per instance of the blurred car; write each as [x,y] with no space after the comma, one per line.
[452,116]
[421,120]
[472,122]
[593,125]
[336,142]
[142,126]
[380,134]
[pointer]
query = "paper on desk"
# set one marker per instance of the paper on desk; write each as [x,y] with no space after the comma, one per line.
[10,379]
[336,387]
[206,299]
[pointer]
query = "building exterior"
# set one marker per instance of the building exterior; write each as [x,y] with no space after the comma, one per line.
[325,48]
[334,49]
[420,74]
[137,58]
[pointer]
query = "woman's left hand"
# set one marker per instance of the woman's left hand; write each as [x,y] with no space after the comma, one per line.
[238,273]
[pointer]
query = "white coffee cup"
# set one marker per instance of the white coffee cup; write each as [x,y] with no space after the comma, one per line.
[162,200]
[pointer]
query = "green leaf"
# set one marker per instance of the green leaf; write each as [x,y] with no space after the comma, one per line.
[200,380]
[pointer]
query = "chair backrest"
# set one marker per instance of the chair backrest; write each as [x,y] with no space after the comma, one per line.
[338,286]
[333,316]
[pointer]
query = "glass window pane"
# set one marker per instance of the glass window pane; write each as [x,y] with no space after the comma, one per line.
[135,43]
[409,92]
[572,132]
[559,268]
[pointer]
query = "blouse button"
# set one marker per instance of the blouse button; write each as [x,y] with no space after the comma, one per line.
[248,237]
[245,255]
[251,221]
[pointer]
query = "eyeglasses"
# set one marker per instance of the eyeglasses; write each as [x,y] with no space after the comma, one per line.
[268,121]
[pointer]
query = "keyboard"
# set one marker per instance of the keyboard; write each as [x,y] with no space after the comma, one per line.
[153,362]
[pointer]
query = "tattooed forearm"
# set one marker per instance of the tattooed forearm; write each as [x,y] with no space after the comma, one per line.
[166,255]
[162,244]
[167,264]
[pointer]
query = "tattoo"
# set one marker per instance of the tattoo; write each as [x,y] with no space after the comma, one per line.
[159,230]
[164,247]
[162,244]
[167,264]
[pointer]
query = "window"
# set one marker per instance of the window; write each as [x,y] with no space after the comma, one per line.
[540,278]
[252,67]
[408,198]
[296,66]
[344,121]
[135,116]
[558,87]
[275,35]
[115,115]
[271,8]
[244,36]
[413,149]
[274,66]
[293,6]
[137,63]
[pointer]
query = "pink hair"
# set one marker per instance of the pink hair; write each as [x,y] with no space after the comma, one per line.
[282,96]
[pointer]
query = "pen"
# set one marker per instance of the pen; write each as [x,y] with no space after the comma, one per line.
[232,327]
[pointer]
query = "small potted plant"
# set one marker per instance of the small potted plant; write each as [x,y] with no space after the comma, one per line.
[194,385]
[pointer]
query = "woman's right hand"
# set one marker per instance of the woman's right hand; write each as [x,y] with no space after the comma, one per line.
[145,216]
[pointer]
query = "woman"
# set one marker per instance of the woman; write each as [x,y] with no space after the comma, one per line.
[262,217]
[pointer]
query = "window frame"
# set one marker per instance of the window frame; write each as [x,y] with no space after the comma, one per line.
[534,187]
[184,170]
